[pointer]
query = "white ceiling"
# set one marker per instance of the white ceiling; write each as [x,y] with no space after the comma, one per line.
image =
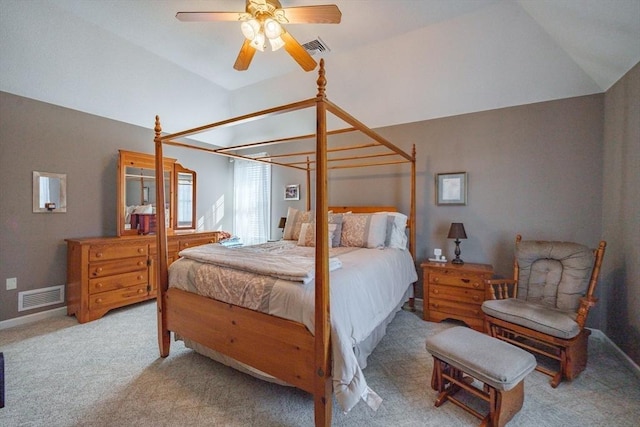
[391,61]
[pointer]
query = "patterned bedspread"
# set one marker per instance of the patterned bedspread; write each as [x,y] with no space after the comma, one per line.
[367,287]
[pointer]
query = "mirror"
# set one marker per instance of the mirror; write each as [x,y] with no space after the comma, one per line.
[137,194]
[185,197]
[49,192]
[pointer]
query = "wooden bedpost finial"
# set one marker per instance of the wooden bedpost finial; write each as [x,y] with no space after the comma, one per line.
[158,128]
[322,81]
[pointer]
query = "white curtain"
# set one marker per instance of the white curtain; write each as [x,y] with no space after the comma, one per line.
[252,200]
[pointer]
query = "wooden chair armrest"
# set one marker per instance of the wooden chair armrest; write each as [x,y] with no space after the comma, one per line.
[502,288]
[585,305]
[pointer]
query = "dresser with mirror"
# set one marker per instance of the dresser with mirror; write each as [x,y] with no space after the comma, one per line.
[104,273]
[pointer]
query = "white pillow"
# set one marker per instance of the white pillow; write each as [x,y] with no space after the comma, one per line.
[364,230]
[396,226]
[308,234]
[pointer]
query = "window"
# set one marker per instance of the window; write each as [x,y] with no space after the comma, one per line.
[252,200]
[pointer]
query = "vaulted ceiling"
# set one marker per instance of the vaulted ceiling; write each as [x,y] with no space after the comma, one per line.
[390,62]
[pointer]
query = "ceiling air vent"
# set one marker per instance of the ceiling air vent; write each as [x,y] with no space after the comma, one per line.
[316,46]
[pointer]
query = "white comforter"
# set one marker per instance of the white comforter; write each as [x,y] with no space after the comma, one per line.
[366,290]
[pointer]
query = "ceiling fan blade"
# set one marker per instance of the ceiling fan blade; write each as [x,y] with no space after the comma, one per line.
[208,16]
[245,56]
[322,14]
[299,54]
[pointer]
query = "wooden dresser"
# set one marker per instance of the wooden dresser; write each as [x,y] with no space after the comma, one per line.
[104,273]
[454,291]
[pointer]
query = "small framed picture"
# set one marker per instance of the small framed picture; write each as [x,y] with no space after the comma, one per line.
[451,188]
[292,192]
[145,194]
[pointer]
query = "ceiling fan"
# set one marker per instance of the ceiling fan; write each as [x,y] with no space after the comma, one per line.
[262,21]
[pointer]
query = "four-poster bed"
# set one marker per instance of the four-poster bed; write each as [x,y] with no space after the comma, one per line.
[296,352]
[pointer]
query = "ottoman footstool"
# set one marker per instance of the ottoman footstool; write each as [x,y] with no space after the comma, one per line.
[461,354]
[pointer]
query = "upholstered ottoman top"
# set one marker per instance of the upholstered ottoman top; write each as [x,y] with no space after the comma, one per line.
[490,360]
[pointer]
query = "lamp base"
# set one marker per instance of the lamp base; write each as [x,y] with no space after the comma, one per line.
[457,261]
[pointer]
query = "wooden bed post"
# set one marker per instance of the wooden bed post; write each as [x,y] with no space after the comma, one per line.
[308,197]
[412,209]
[164,336]
[322,395]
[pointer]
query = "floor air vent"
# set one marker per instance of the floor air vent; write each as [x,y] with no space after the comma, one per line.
[316,46]
[40,297]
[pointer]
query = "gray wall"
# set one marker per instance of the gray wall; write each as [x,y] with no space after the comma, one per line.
[621,214]
[36,136]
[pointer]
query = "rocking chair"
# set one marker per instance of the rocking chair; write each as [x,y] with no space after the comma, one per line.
[544,308]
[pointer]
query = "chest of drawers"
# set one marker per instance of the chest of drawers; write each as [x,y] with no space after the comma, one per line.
[453,291]
[110,272]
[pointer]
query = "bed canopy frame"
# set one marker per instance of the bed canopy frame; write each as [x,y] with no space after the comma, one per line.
[289,351]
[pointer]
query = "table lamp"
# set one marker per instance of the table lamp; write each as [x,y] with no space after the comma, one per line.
[457,232]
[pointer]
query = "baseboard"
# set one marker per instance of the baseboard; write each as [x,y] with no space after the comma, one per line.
[30,318]
[597,333]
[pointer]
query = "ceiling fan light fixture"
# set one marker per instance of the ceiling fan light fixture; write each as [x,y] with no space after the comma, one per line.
[276,43]
[258,41]
[250,29]
[272,28]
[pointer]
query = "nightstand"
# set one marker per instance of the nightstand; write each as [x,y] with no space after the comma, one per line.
[455,291]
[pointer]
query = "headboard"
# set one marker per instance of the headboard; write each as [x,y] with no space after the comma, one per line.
[362,209]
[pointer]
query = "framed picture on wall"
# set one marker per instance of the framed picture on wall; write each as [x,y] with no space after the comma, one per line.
[292,192]
[451,188]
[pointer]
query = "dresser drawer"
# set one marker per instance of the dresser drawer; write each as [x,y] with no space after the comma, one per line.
[106,252]
[464,281]
[103,269]
[460,294]
[118,297]
[118,281]
[184,244]
[455,308]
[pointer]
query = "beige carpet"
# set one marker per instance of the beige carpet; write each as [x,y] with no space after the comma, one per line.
[108,373]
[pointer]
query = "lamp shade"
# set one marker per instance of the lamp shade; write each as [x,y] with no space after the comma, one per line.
[282,222]
[457,231]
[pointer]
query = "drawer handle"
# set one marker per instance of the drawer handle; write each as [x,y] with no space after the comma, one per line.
[141,250]
[465,280]
[476,285]
[476,298]
[99,285]
[140,263]
[436,279]
[99,300]
[186,244]
[139,277]
[99,270]
[436,291]
[434,305]
[140,291]
[476,312]
[99,255]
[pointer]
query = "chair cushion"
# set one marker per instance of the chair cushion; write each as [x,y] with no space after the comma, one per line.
[550,321]
[554,274]
[494,362]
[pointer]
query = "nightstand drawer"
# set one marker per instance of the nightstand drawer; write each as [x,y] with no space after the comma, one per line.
[462,295]
[455,308]
[470,281]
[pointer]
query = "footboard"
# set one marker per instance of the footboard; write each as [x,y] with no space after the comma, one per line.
[279,347]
